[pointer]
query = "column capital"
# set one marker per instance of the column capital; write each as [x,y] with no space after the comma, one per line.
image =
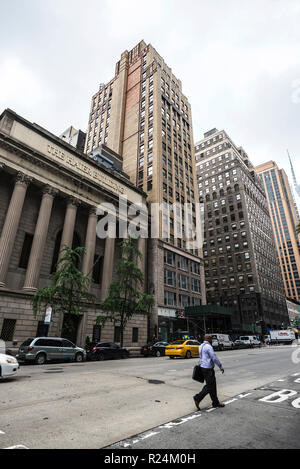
[23,179]
[50,191]
[73,201]
[92,210]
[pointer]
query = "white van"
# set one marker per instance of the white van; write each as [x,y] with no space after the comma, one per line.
[282,336]
[250,340]
[222,341]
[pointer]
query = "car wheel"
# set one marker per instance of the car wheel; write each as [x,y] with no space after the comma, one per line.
[78,358]
[40,359]
[100,357]
[171,358]
[124,355]
[188,354]
[158,354]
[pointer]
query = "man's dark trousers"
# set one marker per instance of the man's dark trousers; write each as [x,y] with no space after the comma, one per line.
[210,386]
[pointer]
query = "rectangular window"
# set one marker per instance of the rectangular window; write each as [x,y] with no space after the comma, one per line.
[26,251]
[96,333]
[135,334]
[8,329]
[169,258]
[183,282]
[170,298]
[183,263]
[170,278]
[117,334]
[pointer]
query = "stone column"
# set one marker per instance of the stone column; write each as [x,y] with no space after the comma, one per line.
[11,223]
[69,224]
[87,265]
[39,240]
[90,243]
[108,266]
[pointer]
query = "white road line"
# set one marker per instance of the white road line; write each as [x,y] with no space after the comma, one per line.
[229,402]
[2,433]
[17,447]
[296,374]
[241,396]
[281,380]
[149,435]
[211,410]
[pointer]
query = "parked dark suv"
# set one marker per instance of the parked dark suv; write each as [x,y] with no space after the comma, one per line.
[43,349]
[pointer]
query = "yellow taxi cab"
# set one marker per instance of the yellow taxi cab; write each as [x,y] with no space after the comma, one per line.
[183,348]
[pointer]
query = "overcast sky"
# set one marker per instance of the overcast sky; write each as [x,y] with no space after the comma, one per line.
[239,63]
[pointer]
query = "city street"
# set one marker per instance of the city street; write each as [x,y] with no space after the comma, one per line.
[107,404]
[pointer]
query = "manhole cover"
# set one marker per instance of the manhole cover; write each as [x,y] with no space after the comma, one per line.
[54,371]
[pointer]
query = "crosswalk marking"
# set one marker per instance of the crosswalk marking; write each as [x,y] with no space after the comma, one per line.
[229,402]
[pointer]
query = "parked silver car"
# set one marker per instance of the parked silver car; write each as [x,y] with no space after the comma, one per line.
[43,349]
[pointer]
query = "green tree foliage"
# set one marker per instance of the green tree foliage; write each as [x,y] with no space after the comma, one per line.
[125,297]
[70,290]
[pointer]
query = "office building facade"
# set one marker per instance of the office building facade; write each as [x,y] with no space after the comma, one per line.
[284,221]
[241,266]
[143,115]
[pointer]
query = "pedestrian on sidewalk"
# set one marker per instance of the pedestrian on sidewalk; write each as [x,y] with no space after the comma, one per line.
[208,359]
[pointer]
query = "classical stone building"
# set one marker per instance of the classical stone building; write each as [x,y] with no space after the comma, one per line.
[241,265]
[49,192]
[143,114]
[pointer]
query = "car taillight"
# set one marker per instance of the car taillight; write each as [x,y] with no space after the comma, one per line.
[95,348]
[30,349]
[150,348]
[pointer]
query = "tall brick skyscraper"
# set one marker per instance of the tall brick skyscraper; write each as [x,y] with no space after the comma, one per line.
[143,115]
[241,264]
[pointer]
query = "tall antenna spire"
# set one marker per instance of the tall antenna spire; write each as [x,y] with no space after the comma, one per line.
[297,186]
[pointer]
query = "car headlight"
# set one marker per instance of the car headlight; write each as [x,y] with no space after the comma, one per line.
[11,360]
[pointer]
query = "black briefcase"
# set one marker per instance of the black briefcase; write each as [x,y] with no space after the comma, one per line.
[198,374]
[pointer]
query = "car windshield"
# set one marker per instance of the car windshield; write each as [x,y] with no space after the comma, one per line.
[244,338]
[178,342]
[27,342]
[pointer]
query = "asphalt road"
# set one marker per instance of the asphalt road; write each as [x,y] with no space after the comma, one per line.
[97,405]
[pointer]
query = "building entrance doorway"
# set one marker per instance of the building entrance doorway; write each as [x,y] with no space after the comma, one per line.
[70,327]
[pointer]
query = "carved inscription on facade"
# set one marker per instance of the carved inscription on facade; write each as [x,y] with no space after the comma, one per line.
[83,168]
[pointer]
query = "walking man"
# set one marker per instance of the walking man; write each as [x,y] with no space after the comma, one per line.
[208,359]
